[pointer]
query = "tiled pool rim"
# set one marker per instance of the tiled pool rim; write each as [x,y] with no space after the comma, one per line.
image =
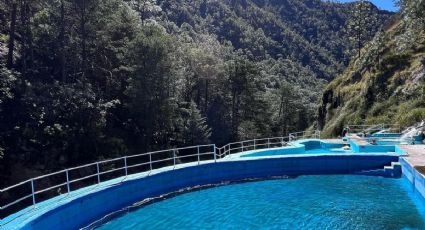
[101,199]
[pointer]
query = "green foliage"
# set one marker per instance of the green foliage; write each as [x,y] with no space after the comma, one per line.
[362,24]
[195,130]
[7,82]
[301,31]
[386,84]
[408,115]
[96,79]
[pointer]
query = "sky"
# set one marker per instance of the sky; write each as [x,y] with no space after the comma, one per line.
[382,4]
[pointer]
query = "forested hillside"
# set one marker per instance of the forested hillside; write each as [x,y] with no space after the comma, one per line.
[82,80]
[387,83]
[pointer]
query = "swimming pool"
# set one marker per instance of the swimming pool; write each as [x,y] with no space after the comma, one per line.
[395,142]
[306,202]
[300,159]
[311,146]
[289,151]
[387,142]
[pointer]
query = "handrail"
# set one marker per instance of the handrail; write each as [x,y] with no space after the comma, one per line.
[165,156]
[370,139]
[375,127]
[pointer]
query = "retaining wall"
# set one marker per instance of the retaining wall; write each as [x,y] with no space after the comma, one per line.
[81,211]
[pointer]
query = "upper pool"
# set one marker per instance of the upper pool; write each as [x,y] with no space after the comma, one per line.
[301,147]
[306,202]
[312,146]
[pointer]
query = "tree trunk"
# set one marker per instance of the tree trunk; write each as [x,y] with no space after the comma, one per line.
[11,45]
[62,42]
[359,43]
[83,37]
[143,12]
[206,95]
[24,38]
[28,32]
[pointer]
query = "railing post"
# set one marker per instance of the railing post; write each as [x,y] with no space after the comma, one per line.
[98,171]
[67,181]
[199,156]
[281,141]
[150,161]
[254,145]
[125,166]
[215,154]
[268,143]
[174,157]
[242,145]
[33,192]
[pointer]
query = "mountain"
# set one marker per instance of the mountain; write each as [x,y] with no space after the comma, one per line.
[387,83]
[83,80]
[303,43]
[311,33]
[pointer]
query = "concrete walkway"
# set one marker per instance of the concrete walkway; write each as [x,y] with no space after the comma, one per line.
[358,140]
[334,141]
[416,156]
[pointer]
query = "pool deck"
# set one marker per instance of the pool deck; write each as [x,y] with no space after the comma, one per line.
[20,219]
[335,141]
[416,156]
[358,140]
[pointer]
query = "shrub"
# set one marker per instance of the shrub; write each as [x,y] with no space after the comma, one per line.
[411,117]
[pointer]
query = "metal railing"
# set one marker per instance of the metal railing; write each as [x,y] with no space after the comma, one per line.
[33,191]
[38,189]
[366,129]
[304,135]
[264,143]
[385,140]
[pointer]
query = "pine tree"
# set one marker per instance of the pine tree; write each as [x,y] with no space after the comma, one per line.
[361,25]
[195,128]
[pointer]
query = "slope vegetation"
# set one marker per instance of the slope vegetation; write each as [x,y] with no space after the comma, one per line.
[385,85]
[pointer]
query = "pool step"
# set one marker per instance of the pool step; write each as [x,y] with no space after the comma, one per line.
[392,171]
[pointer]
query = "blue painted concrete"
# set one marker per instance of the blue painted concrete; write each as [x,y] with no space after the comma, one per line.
[296,147]
[416,179]
[399,151]
[90,205]
[390,135]
[368,148]
[391,171]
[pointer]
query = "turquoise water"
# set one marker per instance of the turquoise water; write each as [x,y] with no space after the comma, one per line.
[309,151]
[332,150]
[308,202]
[388,142]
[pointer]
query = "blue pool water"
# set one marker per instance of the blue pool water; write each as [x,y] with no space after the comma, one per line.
[309,151]
[308,202]
[388,142]
[331,150]
[303,147]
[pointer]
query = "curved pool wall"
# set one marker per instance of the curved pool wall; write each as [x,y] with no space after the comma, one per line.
[79,211]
